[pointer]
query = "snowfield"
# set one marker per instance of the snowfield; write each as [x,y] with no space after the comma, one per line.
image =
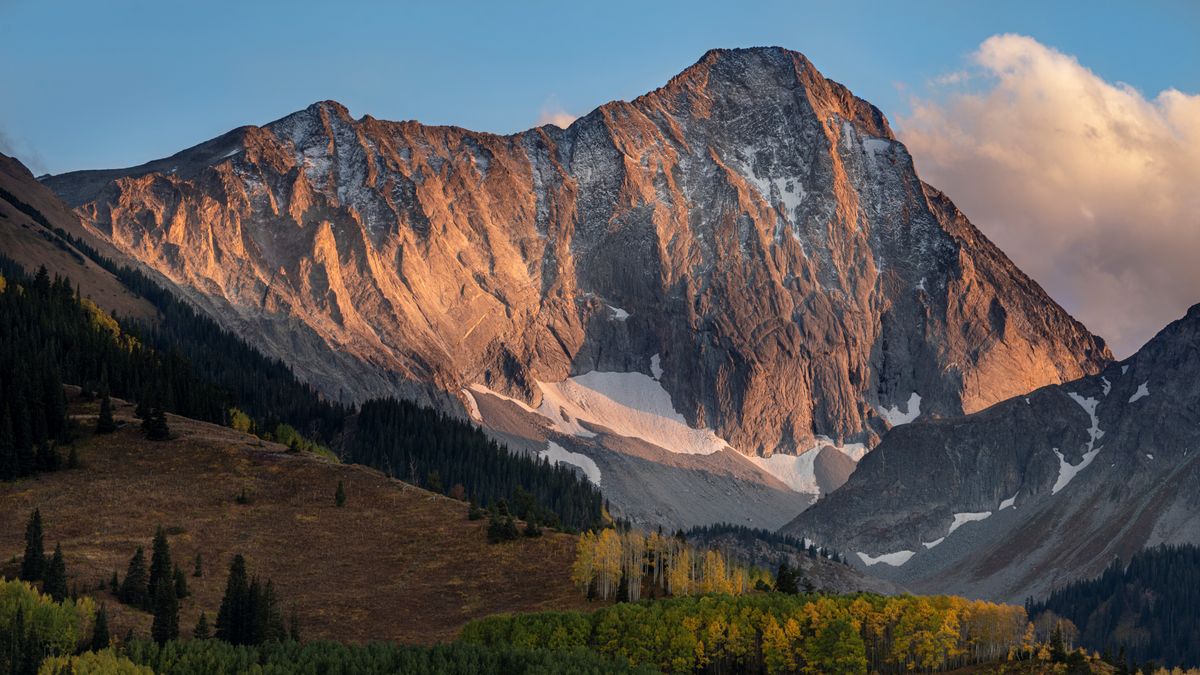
[894,559]
[558,454]
[912,411]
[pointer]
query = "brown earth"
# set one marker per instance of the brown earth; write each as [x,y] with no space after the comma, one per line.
[395,563]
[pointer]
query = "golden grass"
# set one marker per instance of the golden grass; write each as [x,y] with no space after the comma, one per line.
[396,563]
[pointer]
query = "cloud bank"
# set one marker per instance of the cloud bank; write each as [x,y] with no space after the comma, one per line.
[1090,187]
[553,113]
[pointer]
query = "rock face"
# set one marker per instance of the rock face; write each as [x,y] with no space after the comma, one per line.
[751,235]
[1037,490]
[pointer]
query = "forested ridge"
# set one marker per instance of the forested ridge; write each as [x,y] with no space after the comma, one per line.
[187,364]
[427,448]
[1148,610]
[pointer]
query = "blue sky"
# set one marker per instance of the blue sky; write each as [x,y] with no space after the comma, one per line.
[91,84]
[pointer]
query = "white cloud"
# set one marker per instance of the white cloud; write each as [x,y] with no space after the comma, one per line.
[553,113]
[1089,186]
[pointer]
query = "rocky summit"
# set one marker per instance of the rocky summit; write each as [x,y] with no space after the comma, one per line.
[713,299]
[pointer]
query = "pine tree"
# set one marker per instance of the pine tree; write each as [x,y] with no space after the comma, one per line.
[269,619]
[160,564]
[155,426]
[100,637]
[232,617]
[198,571]
[339,496]
[133,589]
[114,585]
[166,615]
[106,424]
[55,584]
[181,587]
[33,565]
[786,579]
[201,631]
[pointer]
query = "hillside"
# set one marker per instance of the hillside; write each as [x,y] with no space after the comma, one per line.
[1149,608]
[395,563]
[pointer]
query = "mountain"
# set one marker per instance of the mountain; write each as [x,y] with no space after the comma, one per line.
[32,222]
[713,299]
[1036,491]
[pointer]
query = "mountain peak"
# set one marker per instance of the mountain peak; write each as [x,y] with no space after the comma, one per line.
[772,75]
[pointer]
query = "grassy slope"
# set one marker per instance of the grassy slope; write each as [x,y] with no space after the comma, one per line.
[396,563]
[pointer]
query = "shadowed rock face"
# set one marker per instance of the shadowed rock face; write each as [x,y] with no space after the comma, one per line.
[752,223]
[1072,476]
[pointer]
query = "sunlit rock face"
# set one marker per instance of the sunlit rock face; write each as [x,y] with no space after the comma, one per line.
[751,235]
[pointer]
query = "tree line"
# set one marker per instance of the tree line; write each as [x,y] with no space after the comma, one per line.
[627,565]
[783,633]
[1145,611]
[428,448]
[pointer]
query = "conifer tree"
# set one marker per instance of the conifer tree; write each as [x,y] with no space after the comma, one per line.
[339,496]
[33,565]
[155,426]
[105,424]
[55,584]
[231,618]
[181,587]
[785,579]
[160,564]
[201,631]
[133,589]
[100,639]
[198,570]
[166,615]
[114,585]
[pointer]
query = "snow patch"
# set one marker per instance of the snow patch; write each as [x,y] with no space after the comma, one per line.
[231,153]
[795,471]
[1107,385]
[557,453]
[961,519]
[798,472]
[633,405]
[1067,471]
[656,367]
[472,405]
[894,559]
[1149,456]
[1142,392]
[618,313]
[854,451]
[912,411]
[1010,502]
[931,544]
[921,284]
[1124,369]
